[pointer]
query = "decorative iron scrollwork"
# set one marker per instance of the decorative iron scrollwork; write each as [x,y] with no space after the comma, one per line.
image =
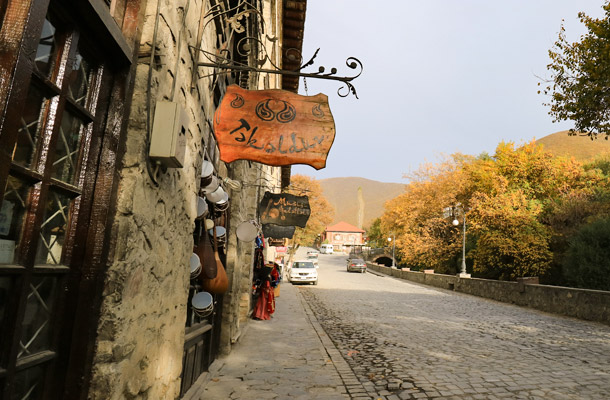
[224,60]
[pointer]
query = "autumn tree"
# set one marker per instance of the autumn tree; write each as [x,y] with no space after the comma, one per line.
[580,77]
[424,238]
[514,200]
[322,213]
[509,194]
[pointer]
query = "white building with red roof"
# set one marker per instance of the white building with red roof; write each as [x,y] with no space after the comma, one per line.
[343,236]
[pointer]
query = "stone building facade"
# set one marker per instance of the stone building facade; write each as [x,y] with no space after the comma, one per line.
[343,236]
[95,236]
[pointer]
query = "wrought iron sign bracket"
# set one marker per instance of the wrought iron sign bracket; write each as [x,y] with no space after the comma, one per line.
[343,91]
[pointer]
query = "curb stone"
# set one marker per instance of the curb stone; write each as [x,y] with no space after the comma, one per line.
[353,386]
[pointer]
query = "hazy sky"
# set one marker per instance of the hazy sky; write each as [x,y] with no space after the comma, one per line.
[440,76]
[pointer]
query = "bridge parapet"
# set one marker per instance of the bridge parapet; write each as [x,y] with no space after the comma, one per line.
[382,253]
[592,305]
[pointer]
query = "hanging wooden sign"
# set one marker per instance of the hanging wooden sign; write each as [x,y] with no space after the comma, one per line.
[274,127]
[284,209]
[278,232]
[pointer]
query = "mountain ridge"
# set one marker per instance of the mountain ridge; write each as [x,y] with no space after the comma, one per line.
[342,194]
[579,147]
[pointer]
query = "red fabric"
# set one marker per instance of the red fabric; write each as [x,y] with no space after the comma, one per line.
[275,276]
[265,305]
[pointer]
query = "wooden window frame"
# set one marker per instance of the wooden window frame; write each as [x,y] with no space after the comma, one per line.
[84,278]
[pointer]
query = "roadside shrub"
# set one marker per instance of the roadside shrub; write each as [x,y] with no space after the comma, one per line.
[587,260]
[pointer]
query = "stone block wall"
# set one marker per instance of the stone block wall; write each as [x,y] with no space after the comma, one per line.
[141,332]
[593,305]
[240,255]
[139,349]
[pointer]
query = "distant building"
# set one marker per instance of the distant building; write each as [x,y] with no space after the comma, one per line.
[343,236]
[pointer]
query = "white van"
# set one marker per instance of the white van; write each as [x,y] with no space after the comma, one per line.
[326,249]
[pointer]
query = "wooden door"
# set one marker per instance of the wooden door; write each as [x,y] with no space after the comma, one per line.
[56,90]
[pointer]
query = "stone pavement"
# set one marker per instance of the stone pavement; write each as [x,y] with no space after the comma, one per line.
[288,357]
[379,338]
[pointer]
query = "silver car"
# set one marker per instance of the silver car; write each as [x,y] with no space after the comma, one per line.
[303,271]
[356,264]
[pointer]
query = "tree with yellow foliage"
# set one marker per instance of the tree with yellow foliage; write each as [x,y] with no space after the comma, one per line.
[424,239]
[322,213]
[510,199]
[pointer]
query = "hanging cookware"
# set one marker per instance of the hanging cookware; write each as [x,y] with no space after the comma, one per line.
[216,195]
[207,171]
[202,207]
[212,186]
[209,224]
[202,304]
[221,232]
[247,231]
[195,266]
[223,204]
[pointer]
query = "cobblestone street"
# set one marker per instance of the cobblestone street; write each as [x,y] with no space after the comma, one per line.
[367,336]
[405,341]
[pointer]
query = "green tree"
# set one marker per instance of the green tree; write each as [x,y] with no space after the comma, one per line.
[375,235]
[580,77]
[586,263]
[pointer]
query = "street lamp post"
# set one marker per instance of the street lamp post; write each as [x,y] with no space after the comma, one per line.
[391,239]
[462,274]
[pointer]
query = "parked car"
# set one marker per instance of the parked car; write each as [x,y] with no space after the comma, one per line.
[313,257]
[326,249]
[303,271]
[356,264]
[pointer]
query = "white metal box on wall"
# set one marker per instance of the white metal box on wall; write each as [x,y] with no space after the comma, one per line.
[168,138]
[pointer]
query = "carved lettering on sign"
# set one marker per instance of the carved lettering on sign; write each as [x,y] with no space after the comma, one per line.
[284,209]
[274,127]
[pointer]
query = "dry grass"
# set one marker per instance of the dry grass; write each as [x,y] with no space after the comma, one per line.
[342,193]
[580,147]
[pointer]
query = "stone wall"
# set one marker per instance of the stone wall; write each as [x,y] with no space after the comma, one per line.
[593,305]
[256,179]
[140,341]
[240,255]
[141,332]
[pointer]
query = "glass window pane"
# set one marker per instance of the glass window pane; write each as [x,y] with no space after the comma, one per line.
[79,79]
[30,127]
[12,213]
[6,285]
[53,229]
[36,327]
[67,149]
[47,46]
[29,383]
